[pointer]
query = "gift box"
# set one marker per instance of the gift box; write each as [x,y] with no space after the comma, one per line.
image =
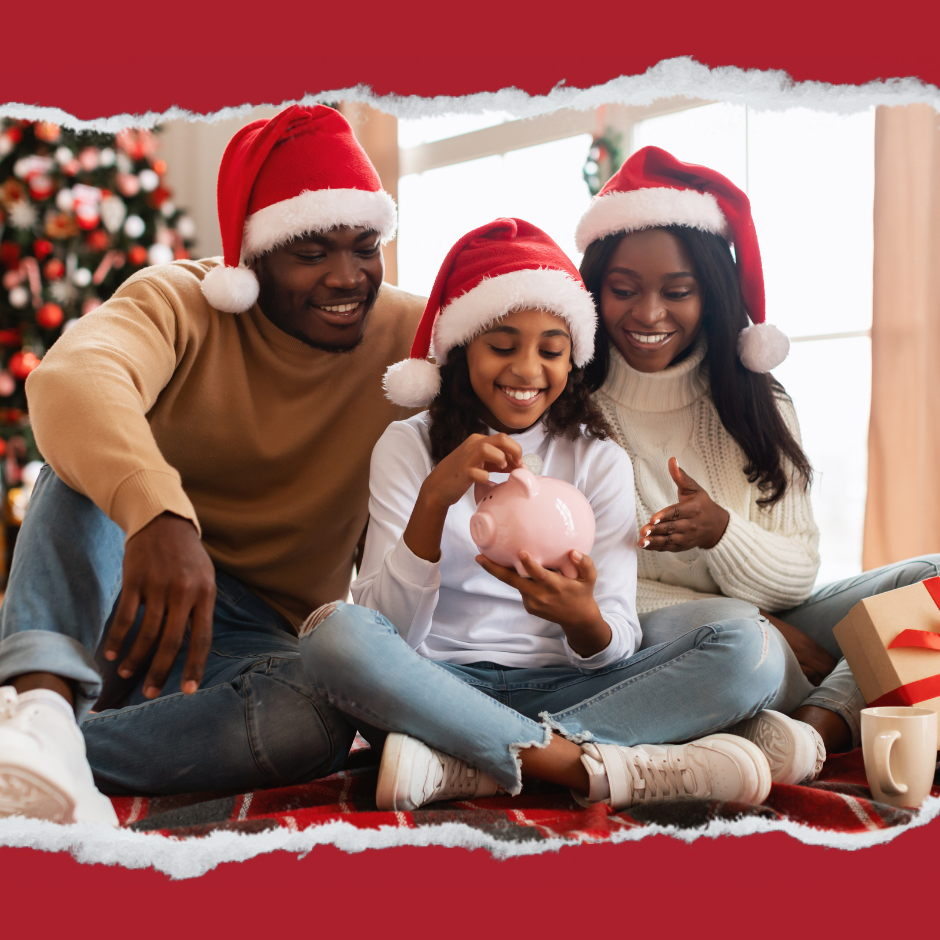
[892,645]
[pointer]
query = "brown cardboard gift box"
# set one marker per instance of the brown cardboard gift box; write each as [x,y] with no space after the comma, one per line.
[892,645]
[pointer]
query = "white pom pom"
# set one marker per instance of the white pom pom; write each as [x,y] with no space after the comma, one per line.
[232,290]
[412,383]
[762,347]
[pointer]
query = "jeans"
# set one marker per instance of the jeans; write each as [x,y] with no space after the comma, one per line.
[255,721]
[816,617]
[483,713]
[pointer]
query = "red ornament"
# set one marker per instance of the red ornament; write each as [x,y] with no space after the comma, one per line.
[159,166]
[15,134]
[14,414]
[42,248]
[10,254]
[137,255]
[49,316]
[53,269]
[22,363]
[159,196]
[41,187]
[3,447]
[98,240]
[10,337]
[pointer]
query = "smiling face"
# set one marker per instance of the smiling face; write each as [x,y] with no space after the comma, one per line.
[651,302]
[519,367]
[320,288]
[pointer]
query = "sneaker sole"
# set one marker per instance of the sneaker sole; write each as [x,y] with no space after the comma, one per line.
[23,793]
[785,751]
[386,790]
[761,764]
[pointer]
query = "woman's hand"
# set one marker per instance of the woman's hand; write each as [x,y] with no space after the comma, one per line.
[693,522]
[569,602]
[472,462]
[815,662]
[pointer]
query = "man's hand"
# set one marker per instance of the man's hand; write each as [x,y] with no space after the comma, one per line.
[167,570]
[815,662]
[569,602]
[695,521]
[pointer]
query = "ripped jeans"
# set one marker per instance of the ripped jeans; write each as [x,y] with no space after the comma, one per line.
[484,713]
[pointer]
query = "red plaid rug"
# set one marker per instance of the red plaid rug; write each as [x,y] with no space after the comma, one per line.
[838,802]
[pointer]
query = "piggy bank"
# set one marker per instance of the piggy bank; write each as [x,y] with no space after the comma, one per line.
[544,517]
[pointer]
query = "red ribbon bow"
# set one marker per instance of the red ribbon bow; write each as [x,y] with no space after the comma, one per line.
[922,689]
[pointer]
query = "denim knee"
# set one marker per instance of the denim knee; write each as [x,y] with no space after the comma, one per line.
[754,666]
[335,639]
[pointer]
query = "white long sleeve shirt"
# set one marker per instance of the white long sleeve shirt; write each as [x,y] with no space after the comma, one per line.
[454,611]
[766,556]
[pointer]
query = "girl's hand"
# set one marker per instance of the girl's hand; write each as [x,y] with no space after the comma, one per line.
[693,522]
[472,462]
[569,602]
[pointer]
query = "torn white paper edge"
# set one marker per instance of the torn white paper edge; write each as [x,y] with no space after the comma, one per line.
[772,90]
[191,857]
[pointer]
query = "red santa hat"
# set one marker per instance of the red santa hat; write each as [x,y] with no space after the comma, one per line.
[300,172]
[655,189]
[500,267]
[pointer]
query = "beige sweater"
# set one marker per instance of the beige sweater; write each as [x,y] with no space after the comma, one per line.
[767,557]
[158,402]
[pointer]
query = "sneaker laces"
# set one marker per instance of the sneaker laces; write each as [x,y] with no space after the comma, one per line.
[455,777]
[655,778]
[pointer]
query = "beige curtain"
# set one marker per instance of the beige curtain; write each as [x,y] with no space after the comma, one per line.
[902,515]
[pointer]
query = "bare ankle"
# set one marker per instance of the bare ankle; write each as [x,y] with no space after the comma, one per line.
[44,680]
[832,728]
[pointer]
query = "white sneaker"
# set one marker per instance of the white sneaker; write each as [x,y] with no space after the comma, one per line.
[717,767]
[44,772]
[793,748]
[412,774]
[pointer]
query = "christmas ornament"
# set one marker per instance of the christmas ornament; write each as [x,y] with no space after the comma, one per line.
[10,337]
[113,211]
[49,316]
[128,184]
[22,363]
[81,277]
[97,240]
[134,226]
[160,254]
[18,297]
[40,186]
[23,215]
[7,385]
[47,131]
[89,159]
[149,180]
[106,158]
[64,199]
[137,255]
[53,269]
[42,248]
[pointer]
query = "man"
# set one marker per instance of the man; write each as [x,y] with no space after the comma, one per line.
[208,433]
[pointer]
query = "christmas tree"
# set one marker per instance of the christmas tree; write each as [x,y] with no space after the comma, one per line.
[79,213]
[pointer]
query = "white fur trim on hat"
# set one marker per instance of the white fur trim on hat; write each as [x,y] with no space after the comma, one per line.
[762,347]
[650,208]
[540,288]
[318,211]
[412,383]
[231,290]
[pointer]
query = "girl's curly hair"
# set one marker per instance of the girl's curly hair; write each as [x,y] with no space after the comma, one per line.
[455,411]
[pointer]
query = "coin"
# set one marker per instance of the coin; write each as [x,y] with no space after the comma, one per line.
[533,463]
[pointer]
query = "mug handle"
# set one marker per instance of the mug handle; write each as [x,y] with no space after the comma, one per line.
[882,747]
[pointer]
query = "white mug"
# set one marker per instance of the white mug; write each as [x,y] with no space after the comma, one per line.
[900,750]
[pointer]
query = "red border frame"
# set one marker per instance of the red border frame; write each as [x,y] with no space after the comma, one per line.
[130,58]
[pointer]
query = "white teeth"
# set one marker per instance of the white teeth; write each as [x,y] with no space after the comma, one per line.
[649,337]
[339,308]
[519,395]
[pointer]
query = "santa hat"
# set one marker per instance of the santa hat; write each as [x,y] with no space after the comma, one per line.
[500,267]
[655,189]
[300,172]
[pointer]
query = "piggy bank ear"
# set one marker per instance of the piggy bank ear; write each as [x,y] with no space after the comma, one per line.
[526,480]
[482,490]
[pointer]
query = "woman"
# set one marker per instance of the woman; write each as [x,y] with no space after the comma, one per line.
[684,383]
[480,674]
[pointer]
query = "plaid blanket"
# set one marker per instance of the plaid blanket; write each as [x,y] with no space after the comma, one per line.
[838,802]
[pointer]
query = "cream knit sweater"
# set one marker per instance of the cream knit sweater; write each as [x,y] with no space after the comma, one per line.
[767,557]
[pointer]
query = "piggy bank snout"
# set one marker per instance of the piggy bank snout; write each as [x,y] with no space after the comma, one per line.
[483,529]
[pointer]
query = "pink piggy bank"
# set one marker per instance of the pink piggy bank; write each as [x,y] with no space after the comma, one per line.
[544,517]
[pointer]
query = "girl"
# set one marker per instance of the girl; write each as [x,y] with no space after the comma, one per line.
[479,673]
[684,383]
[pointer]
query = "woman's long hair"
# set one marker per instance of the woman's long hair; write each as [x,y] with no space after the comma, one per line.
[455,412]
[745,400]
